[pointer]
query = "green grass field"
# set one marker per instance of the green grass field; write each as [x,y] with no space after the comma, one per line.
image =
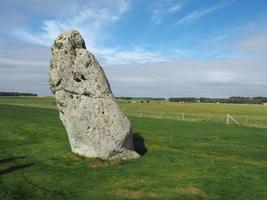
[43,102]
[245,115]
[154,106]
[202,108]
[184,160]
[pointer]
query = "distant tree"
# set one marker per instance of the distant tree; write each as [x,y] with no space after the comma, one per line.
[16,94]
[124,98]
[234,100]
[142,98]
[183,99]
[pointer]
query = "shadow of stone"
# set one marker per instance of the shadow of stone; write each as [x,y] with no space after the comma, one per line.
[11,159]
[15,168]
[139,144]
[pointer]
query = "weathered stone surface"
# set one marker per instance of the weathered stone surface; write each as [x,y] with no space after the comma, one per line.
[95,123]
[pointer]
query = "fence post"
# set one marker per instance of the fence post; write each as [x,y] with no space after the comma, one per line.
[182,116]
[227,119]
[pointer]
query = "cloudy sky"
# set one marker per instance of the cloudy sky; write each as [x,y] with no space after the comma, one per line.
[157,48]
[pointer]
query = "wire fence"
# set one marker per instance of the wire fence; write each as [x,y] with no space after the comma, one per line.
[241,120]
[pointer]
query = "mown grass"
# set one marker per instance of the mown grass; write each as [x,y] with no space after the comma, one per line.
[183,161]
[154,106]
[201,108]
[44,102]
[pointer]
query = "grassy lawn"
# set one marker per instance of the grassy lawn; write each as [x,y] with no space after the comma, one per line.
[184,160]
[154,106]
[203,108]
[246,115]
[44,102]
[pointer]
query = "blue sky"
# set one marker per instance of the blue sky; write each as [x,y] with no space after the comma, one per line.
[147,48]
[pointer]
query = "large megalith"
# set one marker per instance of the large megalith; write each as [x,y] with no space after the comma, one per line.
[95,123]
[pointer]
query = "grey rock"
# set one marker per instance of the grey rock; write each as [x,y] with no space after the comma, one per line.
[95,123]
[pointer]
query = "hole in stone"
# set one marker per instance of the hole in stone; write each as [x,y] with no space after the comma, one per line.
[71,96]
[82,77]
[102,112]
[77,80]
[66,52]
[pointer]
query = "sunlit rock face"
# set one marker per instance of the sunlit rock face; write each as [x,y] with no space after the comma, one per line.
[95,123]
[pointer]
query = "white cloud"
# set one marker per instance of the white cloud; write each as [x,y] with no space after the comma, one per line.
[19,62]
[24,67]
[136,71]
[89,20]
[185,53]
[20,70]
[214,78]
[93,23]
[29,37]
[220,77]
[255,43]
[164,8]
[193,16]
[175,8]
[137,55]
[243,42]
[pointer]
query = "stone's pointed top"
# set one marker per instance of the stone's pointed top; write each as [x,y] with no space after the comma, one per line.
[72,37]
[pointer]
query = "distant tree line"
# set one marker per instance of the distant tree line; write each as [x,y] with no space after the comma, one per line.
[16,94]
[142,98]
[236,100]
[184,99]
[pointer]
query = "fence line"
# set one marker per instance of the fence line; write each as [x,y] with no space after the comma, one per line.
[243,120]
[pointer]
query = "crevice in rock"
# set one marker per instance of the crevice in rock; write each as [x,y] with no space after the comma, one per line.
[58,83]
[87,94]
[67,91]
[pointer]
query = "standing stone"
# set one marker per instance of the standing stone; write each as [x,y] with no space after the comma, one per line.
[95,123]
